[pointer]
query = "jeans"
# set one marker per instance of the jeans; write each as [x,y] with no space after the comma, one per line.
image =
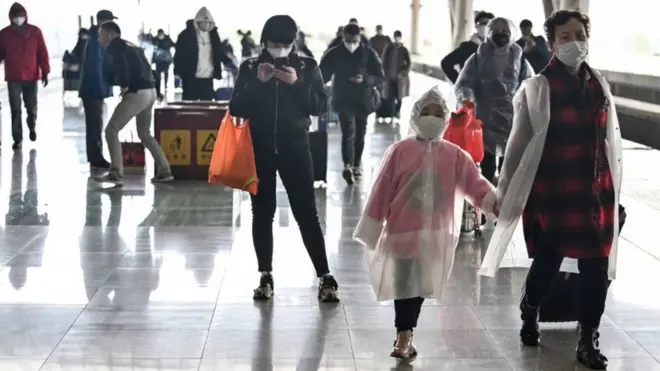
[197,89]
[28,90]
[139,105]
[353,130]
[593,280]
[93,130]
[295,168]
[164,69]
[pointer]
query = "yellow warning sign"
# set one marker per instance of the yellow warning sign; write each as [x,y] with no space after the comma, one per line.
[176,145]
[205,144]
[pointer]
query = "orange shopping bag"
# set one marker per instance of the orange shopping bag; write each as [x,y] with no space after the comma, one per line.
[232,161]
[466,131]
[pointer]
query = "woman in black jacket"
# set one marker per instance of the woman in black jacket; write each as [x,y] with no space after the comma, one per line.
[278,91]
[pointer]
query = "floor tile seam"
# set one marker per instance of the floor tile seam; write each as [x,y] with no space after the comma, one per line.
[628,333]
[215,308]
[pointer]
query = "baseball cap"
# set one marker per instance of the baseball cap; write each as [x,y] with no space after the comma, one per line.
[105,14]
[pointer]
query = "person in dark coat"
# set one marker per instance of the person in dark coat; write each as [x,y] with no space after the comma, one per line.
[453,62]
[93,90]
[535,48]
[278,91]
[380,42]
[162,56]
[199,57]
[396,65]
[247,43]
[354,68]
[79,50]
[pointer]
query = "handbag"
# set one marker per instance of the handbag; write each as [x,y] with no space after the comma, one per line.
[133,157]
[372,95]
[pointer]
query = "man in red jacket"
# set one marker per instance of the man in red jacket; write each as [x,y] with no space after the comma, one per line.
[24,52]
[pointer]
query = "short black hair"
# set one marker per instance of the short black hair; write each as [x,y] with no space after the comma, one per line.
[353,20]
[111,27]
[160,30]
[397,33]
[280,29]
[526,23]
[483,14]
[561,17]
[352,29]
[379,27]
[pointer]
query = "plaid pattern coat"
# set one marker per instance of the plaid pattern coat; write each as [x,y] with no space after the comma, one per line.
[572,197]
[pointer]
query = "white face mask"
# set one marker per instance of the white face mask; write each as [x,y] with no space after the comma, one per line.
[19,21]
[429,127]
[572,53]
[351,46]
[161,37]
[280,52]
[397,40]
[481,31]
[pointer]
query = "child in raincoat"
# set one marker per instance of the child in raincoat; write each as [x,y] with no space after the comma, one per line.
[411,223]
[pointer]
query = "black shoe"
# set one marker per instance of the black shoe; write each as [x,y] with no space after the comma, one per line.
[348,175]
[17,145]
[266,288]
[357,171]
[529,333]
[587,351]
[328,289]
[33,135]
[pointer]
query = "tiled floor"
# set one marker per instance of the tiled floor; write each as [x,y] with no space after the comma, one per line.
[160,278]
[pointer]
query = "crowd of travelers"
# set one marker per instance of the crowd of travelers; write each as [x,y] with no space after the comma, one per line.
[551,139]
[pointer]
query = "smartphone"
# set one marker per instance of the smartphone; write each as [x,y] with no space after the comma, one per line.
[280,63]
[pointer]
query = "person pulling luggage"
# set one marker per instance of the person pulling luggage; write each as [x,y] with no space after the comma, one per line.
[278,91]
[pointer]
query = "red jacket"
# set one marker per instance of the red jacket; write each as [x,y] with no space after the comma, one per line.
[23,50]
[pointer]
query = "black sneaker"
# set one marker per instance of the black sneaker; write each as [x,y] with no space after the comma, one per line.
[33,135]
[266,288]
[357,172]
[17,145]
[328,289]
[348,175]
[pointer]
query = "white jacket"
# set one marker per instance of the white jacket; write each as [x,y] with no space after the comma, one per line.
[523,154]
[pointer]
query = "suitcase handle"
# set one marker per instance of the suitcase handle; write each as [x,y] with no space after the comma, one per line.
[191,113]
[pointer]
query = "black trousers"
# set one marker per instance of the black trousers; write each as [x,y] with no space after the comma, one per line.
[197,89]
[28,91]
[353,129]
[164,69]
[593,280]
[406,311]
[394,94]
[94,130]
[295,169]
[489,164]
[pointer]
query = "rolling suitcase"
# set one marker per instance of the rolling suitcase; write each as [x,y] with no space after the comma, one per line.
[562,302]
[386,109]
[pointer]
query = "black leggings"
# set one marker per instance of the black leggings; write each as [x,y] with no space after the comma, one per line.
[406,311]
[489,164]
[295,169]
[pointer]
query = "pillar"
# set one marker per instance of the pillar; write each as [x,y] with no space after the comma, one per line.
[463,20]
[415,7]
[581,5]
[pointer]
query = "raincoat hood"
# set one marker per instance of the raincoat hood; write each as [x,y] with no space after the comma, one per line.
[17,8]
[429,127]
[204,15]
[491,31]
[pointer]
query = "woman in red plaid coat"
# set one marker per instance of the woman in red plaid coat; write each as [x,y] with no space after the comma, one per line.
[562,175]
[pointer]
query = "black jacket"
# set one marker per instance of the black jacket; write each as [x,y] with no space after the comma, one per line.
[162,49]
[127,66]
[279,114]
[340,65]
[539,56]
[457,57]
[185,58]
